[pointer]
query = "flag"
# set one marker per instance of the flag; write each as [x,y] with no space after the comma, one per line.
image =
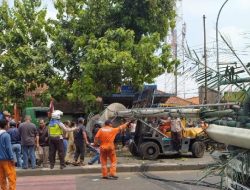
[16,113]
[51,106]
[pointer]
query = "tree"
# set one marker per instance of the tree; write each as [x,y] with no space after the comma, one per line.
[115,59]
[24,53]
[99,45]
[144,17]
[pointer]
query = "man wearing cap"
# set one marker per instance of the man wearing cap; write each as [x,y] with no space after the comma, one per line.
[56,128]
[105,137]
[80,137]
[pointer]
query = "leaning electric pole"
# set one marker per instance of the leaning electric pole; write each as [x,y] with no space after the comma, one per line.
[205,58]
[174,48]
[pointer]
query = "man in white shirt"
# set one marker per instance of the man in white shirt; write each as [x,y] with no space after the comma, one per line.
[176,132]
[132,127]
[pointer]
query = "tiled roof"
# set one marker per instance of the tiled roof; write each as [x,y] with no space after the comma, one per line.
[194,100]
[177,101]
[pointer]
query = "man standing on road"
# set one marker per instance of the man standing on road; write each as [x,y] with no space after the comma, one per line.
[71,145]
[132,129]
[43,134]
[7,164]
[95,150]
[15,143]
[28,133]
[80,138]
[56,128]
[106,136]
[176,132]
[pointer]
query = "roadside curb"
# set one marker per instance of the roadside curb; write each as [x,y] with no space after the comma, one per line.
[120,168]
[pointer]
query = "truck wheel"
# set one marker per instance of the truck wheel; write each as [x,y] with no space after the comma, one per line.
[132,149]
[198,149]
[149,150]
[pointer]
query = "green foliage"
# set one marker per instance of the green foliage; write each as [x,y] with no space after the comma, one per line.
[58,87]
[24,52]
[144,17]
[101,45]
[45,98]
[115,59]
[83,90]
[90,50]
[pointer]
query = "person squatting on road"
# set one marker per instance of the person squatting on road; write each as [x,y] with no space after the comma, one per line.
[56,128]
[7,164]
[106,136]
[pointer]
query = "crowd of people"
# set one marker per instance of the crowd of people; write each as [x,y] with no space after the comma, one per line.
[34,146]
[27,146]
[38,146]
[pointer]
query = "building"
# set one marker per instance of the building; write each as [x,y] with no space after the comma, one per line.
[148,97]
[212,95]
[194,100]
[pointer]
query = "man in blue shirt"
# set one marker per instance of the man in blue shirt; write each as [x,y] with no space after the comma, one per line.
[7,164]
[15,142]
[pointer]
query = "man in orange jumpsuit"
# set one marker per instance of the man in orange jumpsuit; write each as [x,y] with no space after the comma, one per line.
[106,136]
[7,164]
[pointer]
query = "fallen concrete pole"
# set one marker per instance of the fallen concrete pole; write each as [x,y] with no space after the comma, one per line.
[156,112]
[239,137]
[191,111]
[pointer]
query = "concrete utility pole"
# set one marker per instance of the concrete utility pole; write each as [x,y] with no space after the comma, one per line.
[174,46]
[217,50]
[205,57]
[183,34]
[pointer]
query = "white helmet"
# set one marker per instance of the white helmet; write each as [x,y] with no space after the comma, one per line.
[56,114]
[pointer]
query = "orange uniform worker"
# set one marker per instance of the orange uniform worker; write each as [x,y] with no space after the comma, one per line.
[106,136]
[165,125]
[7,164]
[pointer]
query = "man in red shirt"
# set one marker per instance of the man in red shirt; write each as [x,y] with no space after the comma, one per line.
[105,137]
[165,125]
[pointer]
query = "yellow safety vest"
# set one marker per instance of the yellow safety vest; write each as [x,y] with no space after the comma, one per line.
[55,130]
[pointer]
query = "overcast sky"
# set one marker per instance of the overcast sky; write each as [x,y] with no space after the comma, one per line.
[233,19]
[233,24]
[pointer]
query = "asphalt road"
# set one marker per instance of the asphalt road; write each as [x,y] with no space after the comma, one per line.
[126,181]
